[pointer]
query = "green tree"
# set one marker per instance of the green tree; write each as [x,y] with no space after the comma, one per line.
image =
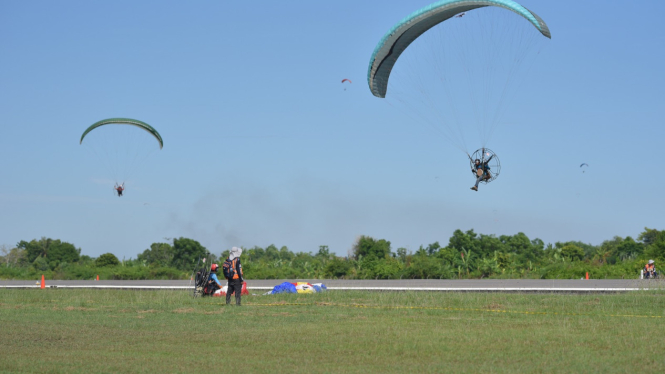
[572,252]
[447,255]
[588,249]
[629,248]
[40,264]
[272,253]
[107,259]
[649,236]
[324,251]
[159,254]
[14,257]
[464,240]
[187,252]
[601,254]
[428,267]
[52,251]
[401,254]
[503,260]
[488,266]
[611,247]
[488,244]
[253,254]
[285,254]
[656,243]
[387,268]
[337,267]
[433,249]
[368,247]
[525,249]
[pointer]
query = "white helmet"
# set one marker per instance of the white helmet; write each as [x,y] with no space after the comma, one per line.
[650,261]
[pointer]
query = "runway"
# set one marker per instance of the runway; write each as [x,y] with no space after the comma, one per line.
[443,285]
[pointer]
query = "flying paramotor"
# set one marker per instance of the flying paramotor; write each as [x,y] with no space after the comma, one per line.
[460,63]
[121,145]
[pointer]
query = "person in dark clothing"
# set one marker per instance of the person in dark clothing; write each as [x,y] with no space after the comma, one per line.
[235,281]
[482,171]
[119,188]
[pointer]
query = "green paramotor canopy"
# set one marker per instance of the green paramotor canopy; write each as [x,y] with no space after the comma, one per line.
[395,41]
[125,121]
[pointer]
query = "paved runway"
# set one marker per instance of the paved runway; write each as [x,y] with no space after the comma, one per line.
[444,285]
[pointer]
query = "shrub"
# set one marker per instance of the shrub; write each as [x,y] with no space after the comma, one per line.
[107,259]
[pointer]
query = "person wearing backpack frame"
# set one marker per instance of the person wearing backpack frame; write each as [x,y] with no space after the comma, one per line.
[233,273]
[213,283]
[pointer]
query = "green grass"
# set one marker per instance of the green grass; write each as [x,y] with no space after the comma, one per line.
[114,331]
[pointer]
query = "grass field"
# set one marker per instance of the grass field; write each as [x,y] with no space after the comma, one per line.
[114,331]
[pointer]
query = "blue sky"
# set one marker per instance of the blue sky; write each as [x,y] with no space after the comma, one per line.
[262,145]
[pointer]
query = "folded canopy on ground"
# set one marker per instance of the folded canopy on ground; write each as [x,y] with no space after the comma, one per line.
[298,287]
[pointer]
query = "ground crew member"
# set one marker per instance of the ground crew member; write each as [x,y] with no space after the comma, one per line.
[236,276]
[650,269]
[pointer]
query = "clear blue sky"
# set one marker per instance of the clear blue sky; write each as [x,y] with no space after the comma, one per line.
[262,146]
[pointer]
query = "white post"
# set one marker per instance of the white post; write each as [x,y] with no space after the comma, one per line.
[642,274]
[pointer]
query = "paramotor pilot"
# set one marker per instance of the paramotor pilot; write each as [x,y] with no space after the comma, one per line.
[482,171]
[119,188]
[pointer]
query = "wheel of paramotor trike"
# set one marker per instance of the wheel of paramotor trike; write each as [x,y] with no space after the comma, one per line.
[483,155]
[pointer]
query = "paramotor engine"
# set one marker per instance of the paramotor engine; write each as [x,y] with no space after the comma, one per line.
[493,163]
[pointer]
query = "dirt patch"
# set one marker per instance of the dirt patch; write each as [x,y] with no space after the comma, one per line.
[79,308]
[215,312]
[185,310]
[148,311]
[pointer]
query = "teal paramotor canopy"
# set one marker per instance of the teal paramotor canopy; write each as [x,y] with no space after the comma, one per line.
[395,41]
[125,121]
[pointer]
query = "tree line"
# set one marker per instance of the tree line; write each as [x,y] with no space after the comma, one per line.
[467,255]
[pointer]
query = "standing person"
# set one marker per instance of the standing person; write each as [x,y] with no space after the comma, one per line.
[234,275]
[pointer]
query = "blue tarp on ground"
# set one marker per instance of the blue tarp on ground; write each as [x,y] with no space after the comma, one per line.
[285,287]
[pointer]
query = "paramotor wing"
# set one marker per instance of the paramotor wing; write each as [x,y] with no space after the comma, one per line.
[125,121]
[120,145]
[400,36]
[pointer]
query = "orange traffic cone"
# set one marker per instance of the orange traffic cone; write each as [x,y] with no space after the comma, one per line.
[43,284]
[97,276]
[587,275]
